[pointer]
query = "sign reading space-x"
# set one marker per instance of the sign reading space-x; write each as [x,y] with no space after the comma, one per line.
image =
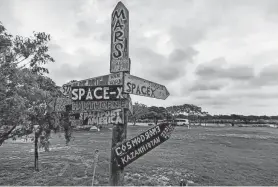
[96,93]
[105,80]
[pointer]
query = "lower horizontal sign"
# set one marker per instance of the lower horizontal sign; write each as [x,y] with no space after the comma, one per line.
[132,149]
[99,118]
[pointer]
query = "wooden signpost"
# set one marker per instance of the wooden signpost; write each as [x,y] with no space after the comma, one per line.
[106,100]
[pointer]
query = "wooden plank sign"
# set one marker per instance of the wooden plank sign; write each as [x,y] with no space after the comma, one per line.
[99,105]
[132,149]
[96,93]
[111,79]
[119,56]
[99,118]
[142,87]
[59,104]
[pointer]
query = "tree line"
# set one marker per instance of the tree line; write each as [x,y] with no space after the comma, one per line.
[194,113]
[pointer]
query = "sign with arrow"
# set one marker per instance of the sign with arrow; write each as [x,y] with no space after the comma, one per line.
[142,87]
[119,56]
[132,149]
[105,80]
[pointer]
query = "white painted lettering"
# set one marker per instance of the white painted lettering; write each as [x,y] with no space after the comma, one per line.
[75,95]
[95,93]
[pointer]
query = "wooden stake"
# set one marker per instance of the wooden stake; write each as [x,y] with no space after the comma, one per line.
[118,135]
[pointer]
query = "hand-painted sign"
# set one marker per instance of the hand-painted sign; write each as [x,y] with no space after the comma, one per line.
[111,79]
[99,105]
[59,104]
[139,86]
[119,57]
[101,118]
[96,93]
[132,149]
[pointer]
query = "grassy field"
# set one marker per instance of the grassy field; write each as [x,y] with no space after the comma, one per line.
[204,155]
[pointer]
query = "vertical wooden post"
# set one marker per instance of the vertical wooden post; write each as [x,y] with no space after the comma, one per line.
[118,135]
[119,62]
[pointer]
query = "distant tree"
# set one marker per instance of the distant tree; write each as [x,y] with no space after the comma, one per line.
[139,110]
[157,113]
[193,112]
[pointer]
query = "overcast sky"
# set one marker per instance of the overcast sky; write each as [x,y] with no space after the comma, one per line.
[221,55]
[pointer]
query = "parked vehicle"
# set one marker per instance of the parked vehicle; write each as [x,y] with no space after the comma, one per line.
[181,122]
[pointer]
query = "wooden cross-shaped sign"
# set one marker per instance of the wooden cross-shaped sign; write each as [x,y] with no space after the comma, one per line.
[110,93]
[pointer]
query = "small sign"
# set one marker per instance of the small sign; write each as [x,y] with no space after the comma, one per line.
[142,87]
[111,79]
[96,93]
[99,105]
[132,149]
[119,57]
[60,104]
[100,118]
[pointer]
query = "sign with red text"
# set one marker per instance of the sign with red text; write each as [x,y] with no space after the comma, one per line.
[96,93]
[111,79]
[119,56]
[142,87]
[132,149]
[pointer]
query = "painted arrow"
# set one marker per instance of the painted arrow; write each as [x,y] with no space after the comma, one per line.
[142,87]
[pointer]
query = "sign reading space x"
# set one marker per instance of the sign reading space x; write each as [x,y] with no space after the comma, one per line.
[96,93]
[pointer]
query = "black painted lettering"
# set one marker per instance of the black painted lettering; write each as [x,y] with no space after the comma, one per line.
[152,92]
[148,91]
[118,15]
[128,87]
[118,25]
[132,88]
[119,48]
[143,90]
[118,36]
[138,90]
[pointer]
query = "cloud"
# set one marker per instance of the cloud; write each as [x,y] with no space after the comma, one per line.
[268,76]
[218,69]
[217,54]
[77,66]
